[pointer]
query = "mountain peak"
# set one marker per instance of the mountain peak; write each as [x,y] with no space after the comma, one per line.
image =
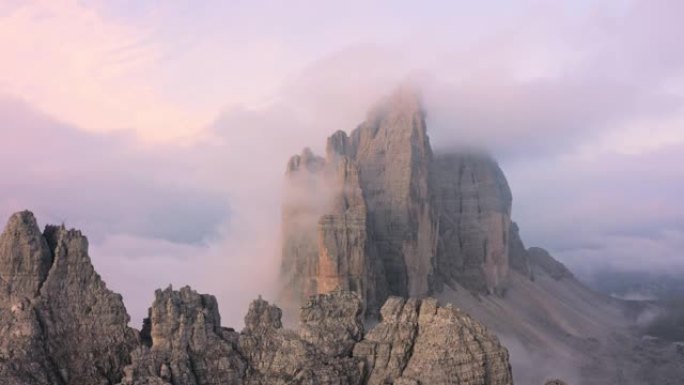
[400,232]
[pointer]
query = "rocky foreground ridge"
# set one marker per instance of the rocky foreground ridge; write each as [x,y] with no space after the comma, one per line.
[59,325]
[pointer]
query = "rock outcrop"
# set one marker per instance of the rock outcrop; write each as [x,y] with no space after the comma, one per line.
[392,152]
[361,219]
[384,216]
[419,342]
[518,257]
[473,200]
[59,324]
[187,344]
[541,260]
[555,382]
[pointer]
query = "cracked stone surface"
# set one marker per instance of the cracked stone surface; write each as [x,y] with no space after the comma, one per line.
[59,324]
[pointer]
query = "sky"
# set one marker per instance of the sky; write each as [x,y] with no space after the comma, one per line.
[162,129]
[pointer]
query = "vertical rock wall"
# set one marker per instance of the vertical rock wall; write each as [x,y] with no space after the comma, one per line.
[473,200]
[393,154]
[381,215]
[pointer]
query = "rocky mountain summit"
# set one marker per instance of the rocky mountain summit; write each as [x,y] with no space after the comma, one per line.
[60,325]
[381,214]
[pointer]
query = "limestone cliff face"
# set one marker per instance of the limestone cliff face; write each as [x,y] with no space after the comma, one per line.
[392,151]
[473,200]
[326,244]
[517,254]
[55,310]
[376,225]
[394,219]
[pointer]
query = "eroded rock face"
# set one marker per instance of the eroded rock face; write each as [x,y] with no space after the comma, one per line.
[55,310]
[541,260]
[381,215]
[188,344]
[327,245]
[25,257]
[279,356]
[332,322]
[376,232]
[419,342]
[474,205]
[392,151]
[518,257]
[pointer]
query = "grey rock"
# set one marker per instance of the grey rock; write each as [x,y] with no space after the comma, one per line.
[279,356]
[419,342]
[332,322]
[392,151]
[518,258]
[474,205]
[59,324]
[82,318]
[326,243]
[555,382]
[542,261]
[381,215]
[25,257]
[188,345]
[376,232]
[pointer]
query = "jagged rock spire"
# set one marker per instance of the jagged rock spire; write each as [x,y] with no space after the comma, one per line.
[55,310]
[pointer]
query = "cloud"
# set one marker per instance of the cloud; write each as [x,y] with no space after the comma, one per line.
[205,214]
[148,224]
[102,181]
[89,71]
[612,211]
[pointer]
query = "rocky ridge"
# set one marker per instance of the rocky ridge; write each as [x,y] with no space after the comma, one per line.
[59,325]
[55,310]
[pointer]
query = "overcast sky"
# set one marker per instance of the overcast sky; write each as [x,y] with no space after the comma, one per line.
[162,129]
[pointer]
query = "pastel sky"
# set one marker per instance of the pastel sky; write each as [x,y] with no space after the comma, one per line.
[162,129]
